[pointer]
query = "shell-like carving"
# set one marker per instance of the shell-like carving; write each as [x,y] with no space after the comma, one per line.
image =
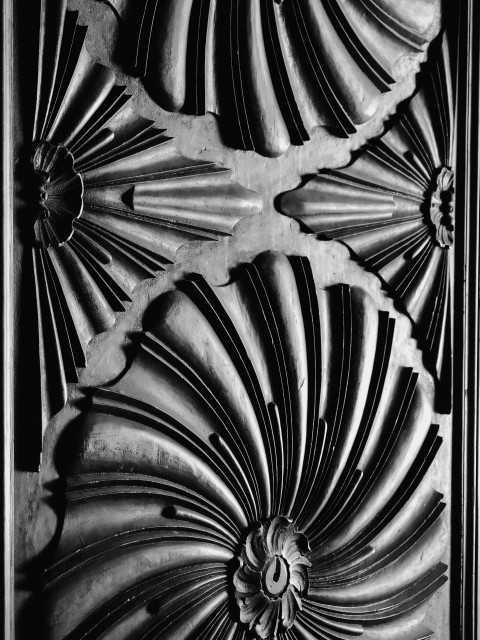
[263,443]
[274,69]
[114,200]
[394,207]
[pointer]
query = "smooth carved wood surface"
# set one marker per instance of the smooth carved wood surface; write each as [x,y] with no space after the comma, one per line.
[112,199]
[262,469]
[394,206]
[274,69]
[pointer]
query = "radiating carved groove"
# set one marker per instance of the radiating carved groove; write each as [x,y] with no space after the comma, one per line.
[394,207]
[114,201]
[287,436]
[273,70]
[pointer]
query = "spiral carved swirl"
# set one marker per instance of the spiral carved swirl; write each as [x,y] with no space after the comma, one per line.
[263,469]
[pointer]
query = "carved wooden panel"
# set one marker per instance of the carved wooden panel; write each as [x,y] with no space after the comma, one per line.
[236,241]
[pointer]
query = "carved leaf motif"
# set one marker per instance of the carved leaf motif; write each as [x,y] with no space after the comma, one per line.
[115,200]
[282,431]
[274,69]
[394,207]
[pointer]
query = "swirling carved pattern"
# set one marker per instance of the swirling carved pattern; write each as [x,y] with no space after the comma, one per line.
[115,200]
[274,70]
[394,207]
[284,407]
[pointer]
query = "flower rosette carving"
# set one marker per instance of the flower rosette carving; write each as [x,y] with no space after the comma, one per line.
[393,206]
[272,577]
[274,70]
[114,201]
[60,194]
[267,474]
[442,208]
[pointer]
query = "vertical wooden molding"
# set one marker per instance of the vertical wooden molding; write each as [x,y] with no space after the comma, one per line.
[466,328]
[7,325]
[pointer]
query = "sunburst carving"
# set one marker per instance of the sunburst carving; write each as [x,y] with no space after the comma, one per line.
[114,201]
[394,207]
[274,70]
[265,475]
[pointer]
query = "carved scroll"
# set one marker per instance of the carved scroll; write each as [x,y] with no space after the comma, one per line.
[394,207]
[274,69]
[112,201]
[266,475]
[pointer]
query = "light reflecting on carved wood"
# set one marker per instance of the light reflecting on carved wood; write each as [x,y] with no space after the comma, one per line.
[114,200]
[273,69]
[394,207]
[262,469]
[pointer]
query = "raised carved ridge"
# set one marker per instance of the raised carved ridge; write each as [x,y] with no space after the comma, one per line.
[113,200]
[280,431]
[394,207]
[273,70]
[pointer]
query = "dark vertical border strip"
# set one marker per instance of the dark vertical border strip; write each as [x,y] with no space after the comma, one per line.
[6,321]
[465,615]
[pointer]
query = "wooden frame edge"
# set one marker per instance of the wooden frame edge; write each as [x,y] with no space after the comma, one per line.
[465,618]
[7,323]
[466,347]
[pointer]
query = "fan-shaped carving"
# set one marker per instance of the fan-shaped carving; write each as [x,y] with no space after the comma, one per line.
[114,200]
[394,207]
[274,69]
[267,474]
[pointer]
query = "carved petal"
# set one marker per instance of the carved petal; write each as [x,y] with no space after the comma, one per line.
[299,577]
[289,608]
[247,581]
[252,608]
[255,551]
[279,530]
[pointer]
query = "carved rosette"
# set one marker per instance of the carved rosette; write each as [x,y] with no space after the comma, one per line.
[272,577]
[274,70]
[114,202]
[267,474]
[394,207]
[442,208]
[60,194]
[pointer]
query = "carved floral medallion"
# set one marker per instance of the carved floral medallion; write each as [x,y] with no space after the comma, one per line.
[265,475]
[393,206]
[60,194]
[272,577]
[442,208]
[114,201]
